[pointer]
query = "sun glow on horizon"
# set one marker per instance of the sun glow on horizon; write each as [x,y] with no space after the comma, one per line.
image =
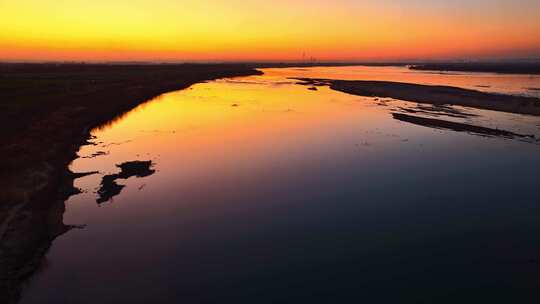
[233,30]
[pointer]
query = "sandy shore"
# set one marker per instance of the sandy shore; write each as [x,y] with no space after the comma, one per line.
[47,112]
[435,95]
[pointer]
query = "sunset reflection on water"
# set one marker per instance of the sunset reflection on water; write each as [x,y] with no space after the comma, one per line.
[262,184]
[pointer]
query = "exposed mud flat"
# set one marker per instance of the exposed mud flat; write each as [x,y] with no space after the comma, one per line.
[109,187]
[431,94]
[437,110]
[458,127]
[487,67]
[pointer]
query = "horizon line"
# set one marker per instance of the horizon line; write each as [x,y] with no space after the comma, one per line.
[270,61]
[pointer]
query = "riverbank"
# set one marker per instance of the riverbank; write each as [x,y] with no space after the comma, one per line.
[46,113]
[431,94]
[532,68]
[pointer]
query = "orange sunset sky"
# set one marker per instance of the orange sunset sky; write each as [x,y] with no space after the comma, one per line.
[236,30]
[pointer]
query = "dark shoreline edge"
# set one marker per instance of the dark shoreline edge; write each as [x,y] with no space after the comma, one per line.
[526,68]
[431,94]
[38,181]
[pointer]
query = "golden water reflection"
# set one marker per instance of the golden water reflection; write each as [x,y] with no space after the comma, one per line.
[247,124]
[258,178]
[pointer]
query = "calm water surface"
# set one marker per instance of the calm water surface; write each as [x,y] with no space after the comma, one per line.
[267,192]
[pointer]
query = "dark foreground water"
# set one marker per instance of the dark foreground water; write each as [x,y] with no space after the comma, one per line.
[267,192]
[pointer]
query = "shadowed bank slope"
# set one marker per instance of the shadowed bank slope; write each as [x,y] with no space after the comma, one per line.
[46,113]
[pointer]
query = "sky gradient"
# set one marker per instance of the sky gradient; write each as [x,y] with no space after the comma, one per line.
[236,30]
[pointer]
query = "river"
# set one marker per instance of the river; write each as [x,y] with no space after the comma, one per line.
[265,191]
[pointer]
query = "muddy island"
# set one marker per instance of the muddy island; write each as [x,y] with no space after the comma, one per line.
[110,188]
[483,67]
[432,94]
